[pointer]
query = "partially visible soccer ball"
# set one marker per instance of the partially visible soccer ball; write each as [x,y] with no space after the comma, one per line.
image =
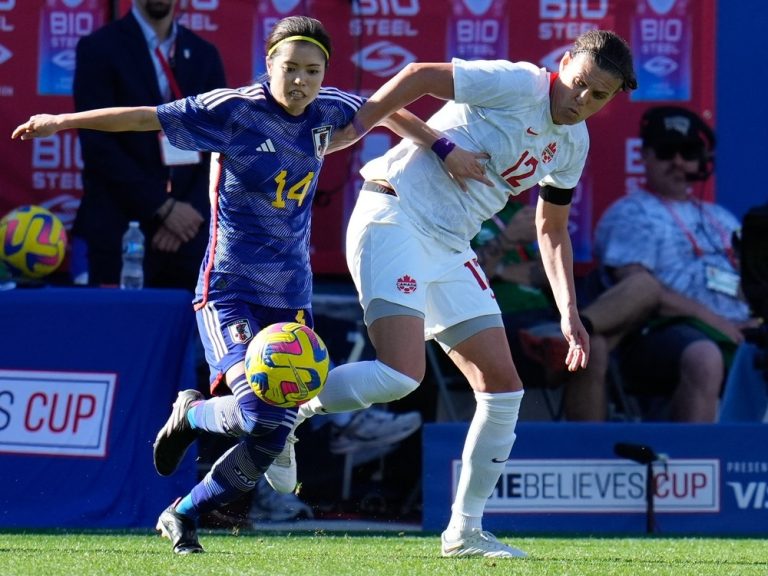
[286,364]
[33,241]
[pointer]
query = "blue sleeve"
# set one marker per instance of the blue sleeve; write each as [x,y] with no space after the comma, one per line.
[191,124]
[343,105]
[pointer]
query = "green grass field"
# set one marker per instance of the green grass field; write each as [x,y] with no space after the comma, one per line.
[363,554]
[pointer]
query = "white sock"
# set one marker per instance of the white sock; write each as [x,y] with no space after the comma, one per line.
[461,524]
[358,385]
[487,446]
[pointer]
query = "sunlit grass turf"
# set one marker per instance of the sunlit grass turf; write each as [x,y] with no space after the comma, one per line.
[362,554]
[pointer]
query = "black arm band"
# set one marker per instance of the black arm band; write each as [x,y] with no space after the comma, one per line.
[559,196]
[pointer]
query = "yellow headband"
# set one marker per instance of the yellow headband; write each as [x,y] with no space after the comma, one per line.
[306,39]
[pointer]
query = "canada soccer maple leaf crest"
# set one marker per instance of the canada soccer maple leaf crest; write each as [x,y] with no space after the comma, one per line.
[549,152]
[406,284]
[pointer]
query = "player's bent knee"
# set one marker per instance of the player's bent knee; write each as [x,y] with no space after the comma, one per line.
[391,384]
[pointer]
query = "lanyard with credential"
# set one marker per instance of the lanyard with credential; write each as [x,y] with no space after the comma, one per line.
[727,248]
[173,156]
[168,71]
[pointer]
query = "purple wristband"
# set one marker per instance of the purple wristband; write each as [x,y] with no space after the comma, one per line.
[442,147]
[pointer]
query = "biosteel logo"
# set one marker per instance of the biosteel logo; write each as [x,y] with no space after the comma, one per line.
[383,58]
[661,6]
[285,6]
[478,7]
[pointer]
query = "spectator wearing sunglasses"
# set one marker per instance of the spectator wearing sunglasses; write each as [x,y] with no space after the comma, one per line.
[668,229]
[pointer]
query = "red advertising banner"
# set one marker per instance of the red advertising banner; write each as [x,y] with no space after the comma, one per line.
[670,39]
[37,64]
[372,40]
[225,23]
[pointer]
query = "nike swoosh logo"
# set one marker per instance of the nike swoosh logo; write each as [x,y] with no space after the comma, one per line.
[531,132]
[499,461]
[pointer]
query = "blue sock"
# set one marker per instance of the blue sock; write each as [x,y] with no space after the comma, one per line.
[186,507]
[191,418]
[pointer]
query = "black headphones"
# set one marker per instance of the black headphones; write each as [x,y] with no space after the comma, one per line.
[652,129]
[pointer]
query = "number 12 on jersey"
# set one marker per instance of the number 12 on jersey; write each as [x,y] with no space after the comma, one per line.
[520,170]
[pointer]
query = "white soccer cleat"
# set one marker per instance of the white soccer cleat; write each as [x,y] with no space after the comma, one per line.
[281,474]
[478,543]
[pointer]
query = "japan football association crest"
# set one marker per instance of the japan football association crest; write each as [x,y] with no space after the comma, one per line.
[321,137]
[240,331]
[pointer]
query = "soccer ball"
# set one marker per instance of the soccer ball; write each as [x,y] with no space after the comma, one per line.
[33,241]
[286,364]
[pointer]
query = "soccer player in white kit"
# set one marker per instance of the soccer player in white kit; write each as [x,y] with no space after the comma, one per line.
[408,243]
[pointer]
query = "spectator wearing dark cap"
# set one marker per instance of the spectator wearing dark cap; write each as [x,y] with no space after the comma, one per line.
[685,242]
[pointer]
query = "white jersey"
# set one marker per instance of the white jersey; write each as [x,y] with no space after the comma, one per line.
[501,108]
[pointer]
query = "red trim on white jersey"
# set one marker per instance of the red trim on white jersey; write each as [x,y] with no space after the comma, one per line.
[552,77]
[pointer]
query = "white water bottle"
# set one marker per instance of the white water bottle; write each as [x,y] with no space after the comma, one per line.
[132,272]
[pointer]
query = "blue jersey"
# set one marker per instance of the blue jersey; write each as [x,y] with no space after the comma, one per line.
[264,173]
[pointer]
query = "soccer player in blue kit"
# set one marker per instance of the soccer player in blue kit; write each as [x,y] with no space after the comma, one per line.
[268,141]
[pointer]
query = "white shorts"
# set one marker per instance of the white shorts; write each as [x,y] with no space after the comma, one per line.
[391,260]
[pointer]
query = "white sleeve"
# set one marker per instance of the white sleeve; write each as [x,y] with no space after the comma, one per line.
[492,83]
[569,176]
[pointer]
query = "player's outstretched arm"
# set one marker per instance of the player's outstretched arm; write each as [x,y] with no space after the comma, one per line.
[136,119]
[411,83]
[461,164]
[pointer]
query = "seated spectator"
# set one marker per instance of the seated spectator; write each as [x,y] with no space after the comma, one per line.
[670,231]
[507,252]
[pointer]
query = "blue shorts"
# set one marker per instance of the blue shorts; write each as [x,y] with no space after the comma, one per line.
[650,359]
[226,329]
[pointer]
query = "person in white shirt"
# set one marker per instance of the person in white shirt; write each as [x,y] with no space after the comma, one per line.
[408,243]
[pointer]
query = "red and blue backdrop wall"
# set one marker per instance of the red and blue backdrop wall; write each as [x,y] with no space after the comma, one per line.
[674,43]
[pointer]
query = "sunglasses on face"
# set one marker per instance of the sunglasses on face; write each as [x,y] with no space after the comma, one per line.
[687,151]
